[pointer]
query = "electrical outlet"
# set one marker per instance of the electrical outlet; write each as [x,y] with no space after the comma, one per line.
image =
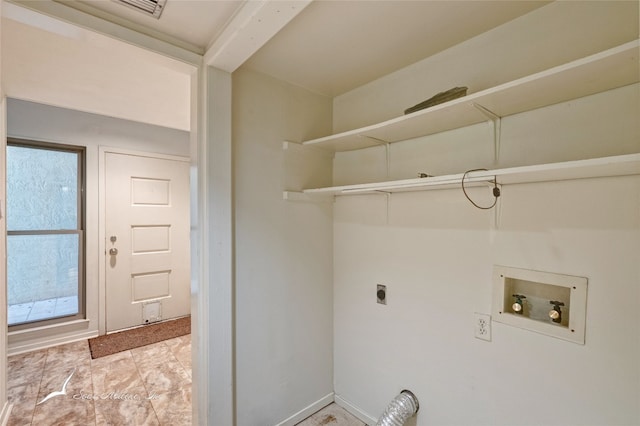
[483,326]
[381,294]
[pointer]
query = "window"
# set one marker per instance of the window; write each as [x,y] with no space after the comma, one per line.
[45,235]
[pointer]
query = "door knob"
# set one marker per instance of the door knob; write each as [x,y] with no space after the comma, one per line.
[113,251]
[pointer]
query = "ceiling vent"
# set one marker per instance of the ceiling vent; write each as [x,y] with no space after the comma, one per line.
[149,7]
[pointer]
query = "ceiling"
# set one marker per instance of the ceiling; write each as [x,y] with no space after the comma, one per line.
[191,24]
[330,47]
[335,46]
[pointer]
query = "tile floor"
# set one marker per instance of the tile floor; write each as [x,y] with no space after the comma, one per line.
[150,385]
[42,309]
[331,415]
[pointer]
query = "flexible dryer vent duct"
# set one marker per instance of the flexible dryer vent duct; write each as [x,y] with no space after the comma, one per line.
[401,408]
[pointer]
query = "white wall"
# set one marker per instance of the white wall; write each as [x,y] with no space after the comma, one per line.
[67,66]
[48,123]
[28,120]
[283,260]
[5,410]
[435,254]
[551,35]
[435,251]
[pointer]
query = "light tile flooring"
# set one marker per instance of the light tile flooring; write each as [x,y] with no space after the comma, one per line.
[42,309]
[150,385]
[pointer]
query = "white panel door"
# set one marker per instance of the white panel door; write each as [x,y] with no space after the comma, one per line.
[147,239]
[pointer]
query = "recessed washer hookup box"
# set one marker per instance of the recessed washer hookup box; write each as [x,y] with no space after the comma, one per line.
[544,302]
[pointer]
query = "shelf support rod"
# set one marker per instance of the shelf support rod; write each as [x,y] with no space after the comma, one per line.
[388,202]
[387,148]
[497,128]
[388,158]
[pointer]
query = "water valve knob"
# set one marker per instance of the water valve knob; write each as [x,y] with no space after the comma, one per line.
[556,313]
[518,306]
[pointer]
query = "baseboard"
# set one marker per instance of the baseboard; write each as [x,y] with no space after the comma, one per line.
[355,411]
[5,413]
[45,337]
[309,410]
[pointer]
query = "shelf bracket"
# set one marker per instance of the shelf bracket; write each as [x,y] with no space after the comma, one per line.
[295,196]
[387,152]
[497,128]
[376,140]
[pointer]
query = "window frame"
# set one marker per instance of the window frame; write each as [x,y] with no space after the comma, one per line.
[80,230]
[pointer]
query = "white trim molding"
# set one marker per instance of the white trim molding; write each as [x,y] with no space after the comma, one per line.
[213,287]
[308,410]
[250,29]
[355,411]
[33,339]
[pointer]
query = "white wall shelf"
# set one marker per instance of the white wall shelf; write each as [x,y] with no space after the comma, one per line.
[610,69]
[621,165]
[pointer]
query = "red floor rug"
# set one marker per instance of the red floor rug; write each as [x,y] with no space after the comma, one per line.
[124,340]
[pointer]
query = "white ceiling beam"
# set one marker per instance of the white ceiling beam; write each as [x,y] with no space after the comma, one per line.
[250,28]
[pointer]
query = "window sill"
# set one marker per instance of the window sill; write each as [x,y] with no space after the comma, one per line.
[35,338]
